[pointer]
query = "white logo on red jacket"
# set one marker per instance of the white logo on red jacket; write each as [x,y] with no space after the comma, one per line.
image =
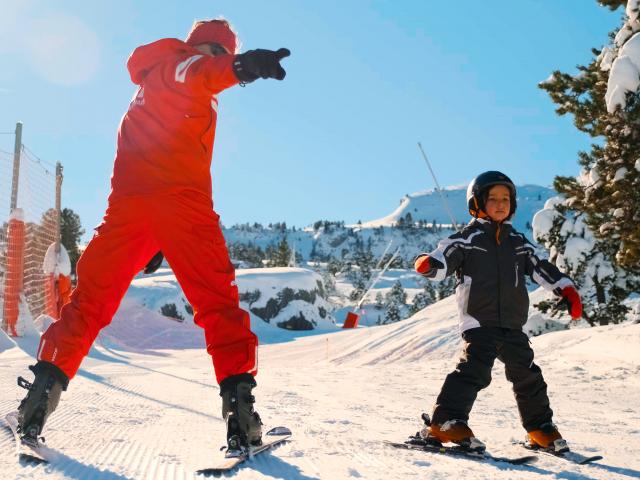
[181,69]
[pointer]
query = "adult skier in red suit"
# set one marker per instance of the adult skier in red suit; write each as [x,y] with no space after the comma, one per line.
[161,200]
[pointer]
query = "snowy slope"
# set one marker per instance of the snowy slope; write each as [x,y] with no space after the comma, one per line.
[155,415]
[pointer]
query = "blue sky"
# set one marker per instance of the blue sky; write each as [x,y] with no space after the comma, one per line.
[337,139]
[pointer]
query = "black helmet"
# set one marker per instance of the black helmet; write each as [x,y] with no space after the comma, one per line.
[479,188]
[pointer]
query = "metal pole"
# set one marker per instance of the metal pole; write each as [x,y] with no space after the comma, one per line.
[16,167]
[444,201]
[58,205]
[384,253]
[375,280]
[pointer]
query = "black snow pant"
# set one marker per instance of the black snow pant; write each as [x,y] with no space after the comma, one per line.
[473,373]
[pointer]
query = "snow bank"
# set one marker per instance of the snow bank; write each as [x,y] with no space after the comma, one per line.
[270,280]
[292,298]
[622,60]
[59,264]
[5,342]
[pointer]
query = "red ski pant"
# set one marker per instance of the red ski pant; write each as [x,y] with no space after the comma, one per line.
[186,229]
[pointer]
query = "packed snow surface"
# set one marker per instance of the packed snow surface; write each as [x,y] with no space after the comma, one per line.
[154,413]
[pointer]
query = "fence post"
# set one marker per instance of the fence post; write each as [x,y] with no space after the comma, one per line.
[15,247]
[16,167]
[58,204]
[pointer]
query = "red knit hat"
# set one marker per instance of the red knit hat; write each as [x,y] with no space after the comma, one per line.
[213,31]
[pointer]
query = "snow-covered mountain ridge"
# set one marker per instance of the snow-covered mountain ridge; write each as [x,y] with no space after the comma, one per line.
[428,206]
[326,240]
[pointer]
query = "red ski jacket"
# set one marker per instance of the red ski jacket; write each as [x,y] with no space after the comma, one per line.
[165,139]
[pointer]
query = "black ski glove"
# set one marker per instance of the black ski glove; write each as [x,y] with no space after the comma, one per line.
[261,63]
[154,263]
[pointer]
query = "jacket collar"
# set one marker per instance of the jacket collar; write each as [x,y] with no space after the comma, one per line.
[499,231]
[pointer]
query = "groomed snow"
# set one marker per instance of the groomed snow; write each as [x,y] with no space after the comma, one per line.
[155,414]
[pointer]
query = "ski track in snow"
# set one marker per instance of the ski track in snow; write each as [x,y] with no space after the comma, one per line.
[133,415]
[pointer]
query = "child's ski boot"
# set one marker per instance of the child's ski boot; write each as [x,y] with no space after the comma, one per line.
[451,431]
[547,437]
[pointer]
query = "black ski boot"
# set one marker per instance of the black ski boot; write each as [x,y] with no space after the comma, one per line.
[42,399]
[244,427]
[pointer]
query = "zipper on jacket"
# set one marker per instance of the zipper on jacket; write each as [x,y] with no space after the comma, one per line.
[516,274]
[499,282]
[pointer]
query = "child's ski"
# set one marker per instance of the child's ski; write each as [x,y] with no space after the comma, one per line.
[31,452]
[271,439]
[567,455]
[417,444]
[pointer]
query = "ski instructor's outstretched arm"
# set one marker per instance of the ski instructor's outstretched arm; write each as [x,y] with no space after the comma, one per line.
[161,201]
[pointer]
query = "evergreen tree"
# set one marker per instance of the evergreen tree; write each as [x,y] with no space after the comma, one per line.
[70,233]
[334,266]
[613,4]
[445,288]
[249,253]
[329,282]
[408,220]
[397,294]
[592,233]
[424,298]
[420,301]
[358,289]
[379,305]
[279,256]
[392,313]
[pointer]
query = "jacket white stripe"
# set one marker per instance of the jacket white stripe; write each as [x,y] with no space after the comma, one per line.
[181,69]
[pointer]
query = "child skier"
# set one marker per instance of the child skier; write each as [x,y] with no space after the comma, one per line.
[161,200]
[490,260]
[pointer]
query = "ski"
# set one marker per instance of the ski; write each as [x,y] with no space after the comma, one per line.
[567,455]
[28,451]
[271,439]
[458,451]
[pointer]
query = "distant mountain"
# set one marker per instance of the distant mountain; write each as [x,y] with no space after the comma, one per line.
[428,206]
[326,240]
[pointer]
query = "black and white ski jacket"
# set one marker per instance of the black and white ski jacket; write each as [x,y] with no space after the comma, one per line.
[490,265]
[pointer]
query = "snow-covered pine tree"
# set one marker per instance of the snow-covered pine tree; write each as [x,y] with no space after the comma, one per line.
[395,304]
[445,287]
[592,232]
[392,313]
[379,305]
[420,301]
[70,233]
[358,288]
[397,294]
[280,255]
[249,253]
[424,298]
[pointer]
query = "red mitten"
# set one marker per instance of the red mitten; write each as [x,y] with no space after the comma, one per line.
[423,264]
[572,297]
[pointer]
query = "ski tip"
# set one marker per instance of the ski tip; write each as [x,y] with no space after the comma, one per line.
[588,460]
[211,472]
[279,431]
[27,459]
[524,460]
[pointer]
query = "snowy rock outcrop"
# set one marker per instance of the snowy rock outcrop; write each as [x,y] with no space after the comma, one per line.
[290,298]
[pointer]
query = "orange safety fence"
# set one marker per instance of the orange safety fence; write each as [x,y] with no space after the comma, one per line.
[16,234]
